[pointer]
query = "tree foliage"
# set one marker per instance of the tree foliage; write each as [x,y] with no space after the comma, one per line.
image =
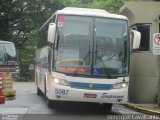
[108,5]
[19,18]
[20,21]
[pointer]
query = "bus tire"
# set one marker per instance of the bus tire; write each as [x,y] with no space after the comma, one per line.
[45,87]
[39,92]
[50,103]
[107,106]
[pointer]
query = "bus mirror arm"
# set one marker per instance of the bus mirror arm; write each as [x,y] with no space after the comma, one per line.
[51,32]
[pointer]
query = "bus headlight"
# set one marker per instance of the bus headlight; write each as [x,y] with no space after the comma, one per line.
[120,85]
[59,81]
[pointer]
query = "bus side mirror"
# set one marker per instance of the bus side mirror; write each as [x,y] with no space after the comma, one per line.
[51,32]
[135,39]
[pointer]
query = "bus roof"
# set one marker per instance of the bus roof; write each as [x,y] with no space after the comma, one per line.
[5,42]
[86,12]
[89,12]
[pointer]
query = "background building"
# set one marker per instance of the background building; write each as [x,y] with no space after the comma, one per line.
[144,16]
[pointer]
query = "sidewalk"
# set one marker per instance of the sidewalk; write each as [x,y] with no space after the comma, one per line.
[152,109]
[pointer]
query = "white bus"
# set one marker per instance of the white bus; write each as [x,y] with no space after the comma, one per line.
[83,55]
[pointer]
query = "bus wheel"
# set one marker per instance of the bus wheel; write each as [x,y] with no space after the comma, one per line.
[107,106]
[39,92]
[50,103]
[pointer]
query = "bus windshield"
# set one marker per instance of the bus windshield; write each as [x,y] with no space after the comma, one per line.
[7,54]
[91,46]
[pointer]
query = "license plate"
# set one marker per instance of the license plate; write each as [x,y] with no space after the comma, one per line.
[88,95]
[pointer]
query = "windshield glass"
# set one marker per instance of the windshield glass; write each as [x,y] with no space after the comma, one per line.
[7,54]
[110,38]
[2,54]
[74,38]
[82,45]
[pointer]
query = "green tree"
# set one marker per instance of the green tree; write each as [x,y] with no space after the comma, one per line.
[108,5]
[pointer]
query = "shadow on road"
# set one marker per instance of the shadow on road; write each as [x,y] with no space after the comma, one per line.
[78,108]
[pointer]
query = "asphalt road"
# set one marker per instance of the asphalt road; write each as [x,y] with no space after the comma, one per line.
[27,105]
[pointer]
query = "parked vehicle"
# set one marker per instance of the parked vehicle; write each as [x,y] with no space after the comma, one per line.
[9,59]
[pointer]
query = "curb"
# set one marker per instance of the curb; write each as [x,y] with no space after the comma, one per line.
[142,109]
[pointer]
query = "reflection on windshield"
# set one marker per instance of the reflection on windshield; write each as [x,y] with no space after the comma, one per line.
[74,44]
[109,47]
[91,46]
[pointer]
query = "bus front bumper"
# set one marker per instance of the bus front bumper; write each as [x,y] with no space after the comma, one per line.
[66,93]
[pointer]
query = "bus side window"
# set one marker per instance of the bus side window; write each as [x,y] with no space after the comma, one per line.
[54,18]
[44,57]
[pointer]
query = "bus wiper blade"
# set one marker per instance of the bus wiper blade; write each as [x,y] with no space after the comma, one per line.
[86,56]
[73,74]
[100,58]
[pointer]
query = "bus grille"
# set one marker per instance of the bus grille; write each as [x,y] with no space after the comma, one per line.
[91,86]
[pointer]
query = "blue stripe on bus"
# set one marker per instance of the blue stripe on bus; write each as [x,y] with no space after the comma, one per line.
[93,86]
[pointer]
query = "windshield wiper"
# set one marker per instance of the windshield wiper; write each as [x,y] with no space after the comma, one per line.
[100,58]
[86,56]
[75,74]
[104,66]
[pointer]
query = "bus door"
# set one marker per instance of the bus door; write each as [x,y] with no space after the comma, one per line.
[44,67]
